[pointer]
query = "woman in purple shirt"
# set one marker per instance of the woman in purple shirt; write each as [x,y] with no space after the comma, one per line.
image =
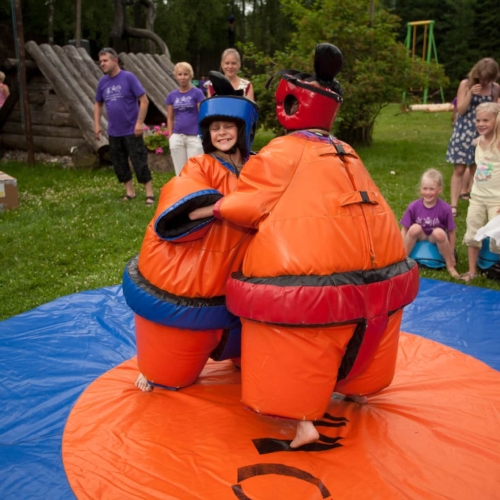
[182,117]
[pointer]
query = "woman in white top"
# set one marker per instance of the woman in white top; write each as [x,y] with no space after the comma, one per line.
[230,65]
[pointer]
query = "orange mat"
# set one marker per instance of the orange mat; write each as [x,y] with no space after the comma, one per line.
[433,434]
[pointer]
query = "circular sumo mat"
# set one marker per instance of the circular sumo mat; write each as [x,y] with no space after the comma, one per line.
[433,434]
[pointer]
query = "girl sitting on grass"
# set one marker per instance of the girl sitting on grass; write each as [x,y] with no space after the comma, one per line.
[485,194]
[430,218]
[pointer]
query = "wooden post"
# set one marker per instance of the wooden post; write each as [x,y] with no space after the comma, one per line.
[24,82]
[78,30]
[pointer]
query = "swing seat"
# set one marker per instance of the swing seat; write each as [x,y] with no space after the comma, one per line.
[486,257]
[427,255]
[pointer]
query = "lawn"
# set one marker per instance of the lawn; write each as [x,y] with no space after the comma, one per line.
[72,233]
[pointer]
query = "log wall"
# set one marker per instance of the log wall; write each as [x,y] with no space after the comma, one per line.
[62,94]
[54,128]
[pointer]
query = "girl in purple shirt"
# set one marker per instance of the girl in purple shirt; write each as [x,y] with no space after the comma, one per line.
[182,117]
[430,218]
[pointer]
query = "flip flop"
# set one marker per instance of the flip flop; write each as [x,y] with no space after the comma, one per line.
[128,197]
[454,211]
[150,201]
[464,196]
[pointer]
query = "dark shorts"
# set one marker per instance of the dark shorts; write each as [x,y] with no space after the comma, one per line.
[123,148]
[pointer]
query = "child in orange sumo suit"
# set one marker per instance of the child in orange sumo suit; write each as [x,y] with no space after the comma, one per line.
[177,284]
[325,279]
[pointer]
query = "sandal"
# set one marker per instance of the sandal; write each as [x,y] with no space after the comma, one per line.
[468,276]
[127,197]
[464,196]
[150,201]
[454,211]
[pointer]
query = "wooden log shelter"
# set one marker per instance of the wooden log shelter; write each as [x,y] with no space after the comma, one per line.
[62,83]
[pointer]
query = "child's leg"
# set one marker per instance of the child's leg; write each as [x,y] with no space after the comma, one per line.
[415,233]
[440,238]
[473,254]
[476,218]
[306,433]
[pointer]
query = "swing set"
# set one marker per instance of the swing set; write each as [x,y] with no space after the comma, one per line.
[429,50]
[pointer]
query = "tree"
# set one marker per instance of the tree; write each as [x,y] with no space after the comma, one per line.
[459,52]
[376,66]
[121,29]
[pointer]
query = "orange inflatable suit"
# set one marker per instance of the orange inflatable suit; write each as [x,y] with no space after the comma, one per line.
[325,278]
[176,286]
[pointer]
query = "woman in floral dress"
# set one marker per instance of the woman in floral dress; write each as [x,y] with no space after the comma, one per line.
[479,87]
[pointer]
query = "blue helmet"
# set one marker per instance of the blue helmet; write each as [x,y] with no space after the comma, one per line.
[228,105]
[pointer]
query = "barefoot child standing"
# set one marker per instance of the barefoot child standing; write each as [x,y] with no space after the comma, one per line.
[430,219]
[325,266]
[485,193]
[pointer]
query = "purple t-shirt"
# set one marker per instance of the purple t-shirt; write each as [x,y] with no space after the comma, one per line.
[120,94]
[439,215]
[185,106]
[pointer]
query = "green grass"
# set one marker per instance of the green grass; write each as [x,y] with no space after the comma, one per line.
[71,232]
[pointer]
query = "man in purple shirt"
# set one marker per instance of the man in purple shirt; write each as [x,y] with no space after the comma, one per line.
[126,106]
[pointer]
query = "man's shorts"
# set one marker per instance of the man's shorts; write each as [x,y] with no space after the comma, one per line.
[123,148]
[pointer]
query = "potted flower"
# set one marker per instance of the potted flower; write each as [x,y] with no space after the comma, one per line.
[156,141]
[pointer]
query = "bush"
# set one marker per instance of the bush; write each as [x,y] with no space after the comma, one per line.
[156,139]
[376,67]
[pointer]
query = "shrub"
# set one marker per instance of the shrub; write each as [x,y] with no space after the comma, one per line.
[156,139]
[376,67]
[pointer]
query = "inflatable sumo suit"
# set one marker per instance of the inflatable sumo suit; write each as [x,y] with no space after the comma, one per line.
[176,286]
[325,278]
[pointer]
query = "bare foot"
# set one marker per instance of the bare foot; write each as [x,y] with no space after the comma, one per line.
[306,433]
[468,276]
[453,272]
[143,384]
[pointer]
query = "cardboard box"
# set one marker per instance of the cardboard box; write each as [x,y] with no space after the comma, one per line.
[9,197]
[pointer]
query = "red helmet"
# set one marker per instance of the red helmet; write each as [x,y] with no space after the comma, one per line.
[311,101]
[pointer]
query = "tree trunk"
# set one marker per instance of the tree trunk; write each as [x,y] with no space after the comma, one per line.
[118,28]
[138,23]
[78,23]
[142,33]
[150,21]
[121,30]
[50,22]
[356,136]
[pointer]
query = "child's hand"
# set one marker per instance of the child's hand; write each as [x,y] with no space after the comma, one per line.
[474,142]
[476,89]
[201,213]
